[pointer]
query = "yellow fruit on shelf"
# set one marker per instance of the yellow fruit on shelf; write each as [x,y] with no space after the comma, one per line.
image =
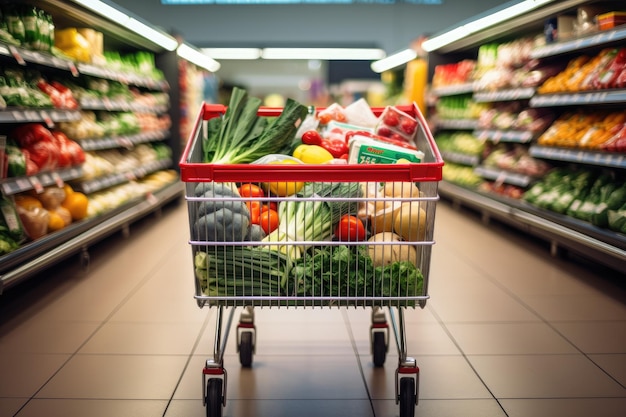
[76,203]
[55,221]
[27,202]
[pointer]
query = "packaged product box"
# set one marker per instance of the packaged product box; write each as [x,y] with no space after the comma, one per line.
[610,20]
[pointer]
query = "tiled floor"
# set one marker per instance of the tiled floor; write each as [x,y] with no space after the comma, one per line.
[509,331]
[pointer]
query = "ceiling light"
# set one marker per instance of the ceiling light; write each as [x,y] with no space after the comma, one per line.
[158,37]
[197,57]
[394,60]
[325,54]
[482,23]
[233,53]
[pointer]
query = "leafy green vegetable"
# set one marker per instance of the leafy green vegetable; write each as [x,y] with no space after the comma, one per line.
[313,217]
[241,136]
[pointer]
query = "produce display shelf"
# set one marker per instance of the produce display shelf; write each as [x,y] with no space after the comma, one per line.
[599,158]
[460,158]
[49,250]
[574,99]
[23,56]
[453,90]
[17,185]
[502,176]
[123,76]
[575,45]
[48,115]
[89,103]
[601,245]
[495,135]
[106,181]
[125,141]
[457,124]
[504,95]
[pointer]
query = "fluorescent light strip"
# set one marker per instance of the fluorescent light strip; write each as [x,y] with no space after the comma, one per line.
[394,60]
[323,53]
[197,57]
[233,53]
[477,25]
[158,37]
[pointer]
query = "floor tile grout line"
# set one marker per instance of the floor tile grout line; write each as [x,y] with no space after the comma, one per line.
[108,317]
[544,320]
[347,323]
[466,358]
[189,357]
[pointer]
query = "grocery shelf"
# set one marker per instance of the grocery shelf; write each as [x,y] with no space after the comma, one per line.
[460,158]
[599,158]
[106,181]
[582,98]
[89,103]
[47,115]
[511,94]
[453,90]
[495,135]
[10,186]
[123,77]
[502,176]
[575,45]
[600,245]
[23,56]
[123,141]
[457,124]
[49,250]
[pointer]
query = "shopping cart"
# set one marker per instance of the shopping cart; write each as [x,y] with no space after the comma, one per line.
[296,272]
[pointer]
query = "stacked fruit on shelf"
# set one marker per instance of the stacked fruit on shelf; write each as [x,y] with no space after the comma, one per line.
[605,70]
[457,73]
[508,65]
[32,148]
[592,196]
[106,200]
[462,175]
[463,143]
[594,130]
[459,107]
[514,116]
[514,157]
[119,161]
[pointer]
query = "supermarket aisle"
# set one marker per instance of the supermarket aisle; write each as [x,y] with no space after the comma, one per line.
[509,331]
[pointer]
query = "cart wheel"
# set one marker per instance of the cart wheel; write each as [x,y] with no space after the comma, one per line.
[407,397]
[379,349]
[245,349]
[214,398]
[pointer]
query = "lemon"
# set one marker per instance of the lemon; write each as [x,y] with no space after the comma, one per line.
[286,188]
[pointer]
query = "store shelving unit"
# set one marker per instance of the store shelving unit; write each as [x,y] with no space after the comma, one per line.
[42,253]
[563,232]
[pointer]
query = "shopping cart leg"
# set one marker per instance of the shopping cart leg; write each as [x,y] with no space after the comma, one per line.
[379,336]
[214,376]
[246,336]
[407,373]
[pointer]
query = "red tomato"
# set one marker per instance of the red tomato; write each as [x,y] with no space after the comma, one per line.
[251,190]
[269,220]
[255,211]
[311,137]
[272,205]
[391,118]
[350,229]
[408,126]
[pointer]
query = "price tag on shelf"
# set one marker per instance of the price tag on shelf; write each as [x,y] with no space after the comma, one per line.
[18,116]
[23,184]
[57,179]
[73,69]
[500,179]
[16,54]
[151,198]
[47,119]
[36,184]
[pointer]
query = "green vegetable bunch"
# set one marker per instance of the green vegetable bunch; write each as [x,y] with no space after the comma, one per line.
[241,136]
